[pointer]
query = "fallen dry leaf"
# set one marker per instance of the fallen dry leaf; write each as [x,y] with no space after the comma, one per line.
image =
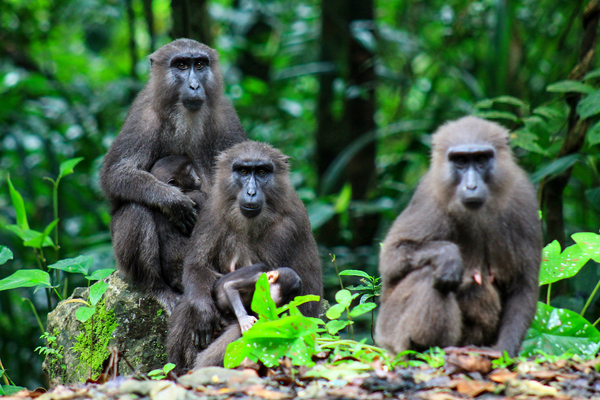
[532,388]
[471,362]
[437,396]
[502,375]
[474,388]
[267,394]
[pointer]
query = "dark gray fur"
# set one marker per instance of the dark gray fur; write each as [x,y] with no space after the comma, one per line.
[160,125]
[437,246]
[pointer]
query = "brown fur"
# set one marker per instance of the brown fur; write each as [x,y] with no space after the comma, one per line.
[436,235]
[159,125]
[279,237]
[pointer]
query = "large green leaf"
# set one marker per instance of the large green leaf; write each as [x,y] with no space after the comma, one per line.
[5,254]
[589,106]
[39,240]
[336,325]
[555,167]
[30,236]
[556,331]
[496,115]
[26,278]
[84,313]
[66,167]
[77,265]
[589,243]
[557,266]
[570,86]
[100,274]
[19,206]
[362,309]
[354,272]
[262,303]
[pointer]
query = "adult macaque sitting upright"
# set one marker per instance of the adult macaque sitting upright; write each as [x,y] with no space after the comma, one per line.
[460,265]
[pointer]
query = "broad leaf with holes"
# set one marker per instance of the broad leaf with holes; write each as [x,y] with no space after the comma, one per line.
[589,244]
[556,331]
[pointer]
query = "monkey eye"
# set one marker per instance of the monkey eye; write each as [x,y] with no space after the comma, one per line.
[243,171]
[199,65]
[182,66]
[262,172]
[460,161]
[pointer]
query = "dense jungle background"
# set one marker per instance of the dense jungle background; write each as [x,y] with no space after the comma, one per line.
[350,89]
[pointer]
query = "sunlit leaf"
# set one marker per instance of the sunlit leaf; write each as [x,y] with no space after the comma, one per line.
[556,331]
[100,274]
[10,390]
[354,272]
[496,115]
[526,140]
[298,300]
[84,313]
[344,297]
[343,200]
[362,309]
[96,291]
[589,244]
[510,100]
[77,265]
[19,206]
[557,266]
[333,327]
[5,254]
[29,235]
[569,86]
[589,105]
[26,278]
[66,167]
[335,311]
[262,303]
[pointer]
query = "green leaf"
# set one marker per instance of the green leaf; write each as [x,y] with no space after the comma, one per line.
[26,278]
[354,272]
[362,309]
[589,244]
[298,301]
[77,265]
[592,74]
[557,266]
[593,196]
[84,313]
[9,390]
[168,367]
[40,240]
[336,325]
[335,311]
[555,167]
[319,213]
[589,105]
[510,100]
[496,115]
[346,371]
[27,235]
[593,134]
[262,303]
[100,274]
[343,200]
[19,206]
[5,254]
[66,167]
[556,331]
[344,297]
[526,140]
[96,291]
[569,86]
[485,103]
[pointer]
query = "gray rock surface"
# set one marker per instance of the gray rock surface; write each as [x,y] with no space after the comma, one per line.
[139,336]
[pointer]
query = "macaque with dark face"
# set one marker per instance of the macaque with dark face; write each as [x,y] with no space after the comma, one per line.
[180,112]
[460,265]
[253,215]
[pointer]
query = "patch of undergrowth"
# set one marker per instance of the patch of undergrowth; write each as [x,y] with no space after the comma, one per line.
[92,343]
[53,352]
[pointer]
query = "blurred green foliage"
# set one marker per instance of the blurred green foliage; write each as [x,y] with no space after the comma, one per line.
[67,80]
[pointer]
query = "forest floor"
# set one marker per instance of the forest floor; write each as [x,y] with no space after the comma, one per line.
[463,375]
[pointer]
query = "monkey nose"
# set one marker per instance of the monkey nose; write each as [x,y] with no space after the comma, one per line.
[194,85]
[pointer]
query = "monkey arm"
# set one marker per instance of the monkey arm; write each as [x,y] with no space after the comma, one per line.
[233,295]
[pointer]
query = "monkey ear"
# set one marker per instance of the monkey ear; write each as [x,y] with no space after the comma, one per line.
[272,276]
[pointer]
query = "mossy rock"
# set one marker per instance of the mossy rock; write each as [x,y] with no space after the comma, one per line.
[126,320]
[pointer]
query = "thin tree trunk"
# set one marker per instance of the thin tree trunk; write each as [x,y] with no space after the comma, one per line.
[149,16]
[191,20]
[552,189]
[132,44]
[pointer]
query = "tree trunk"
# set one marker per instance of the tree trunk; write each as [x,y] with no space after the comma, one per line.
[132,44]
[191,20]
[149,16]
[552,189]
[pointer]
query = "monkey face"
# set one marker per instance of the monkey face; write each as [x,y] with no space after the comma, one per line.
[191,71]
[252,178]
[471,169]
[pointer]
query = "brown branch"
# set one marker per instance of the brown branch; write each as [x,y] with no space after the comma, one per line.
[553,187]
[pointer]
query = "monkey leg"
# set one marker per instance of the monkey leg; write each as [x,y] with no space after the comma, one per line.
[214,354]
[137,252]
[416,316]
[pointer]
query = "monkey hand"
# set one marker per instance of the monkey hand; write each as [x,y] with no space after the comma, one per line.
[180,210]
[206,323]
[448,273]
[247,322]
